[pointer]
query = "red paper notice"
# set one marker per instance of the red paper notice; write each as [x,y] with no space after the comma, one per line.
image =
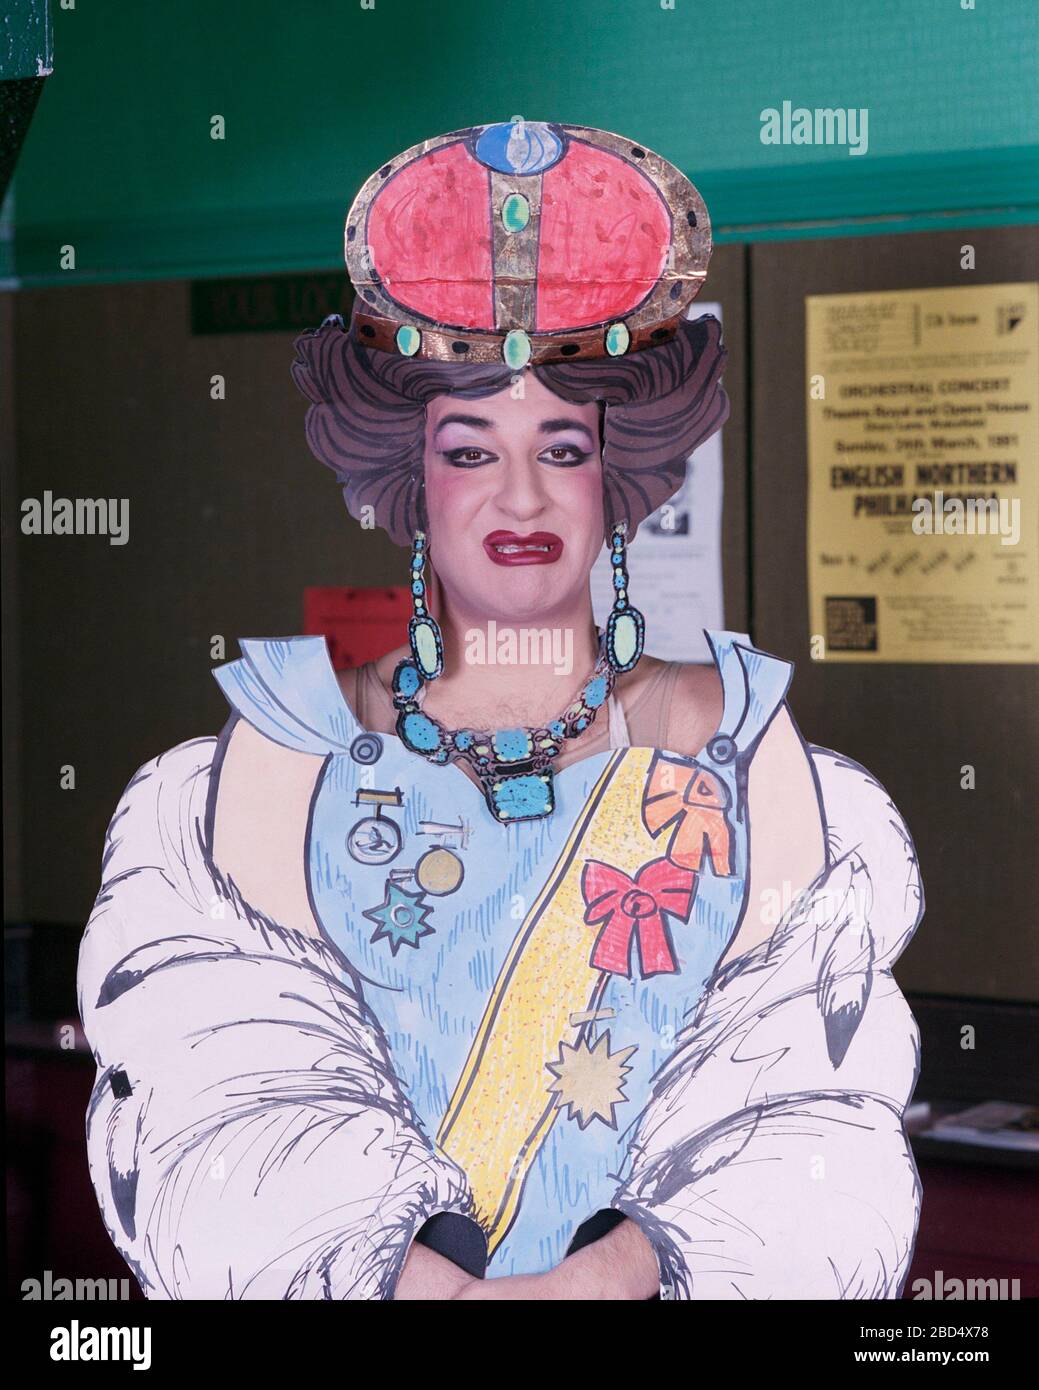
[359,624]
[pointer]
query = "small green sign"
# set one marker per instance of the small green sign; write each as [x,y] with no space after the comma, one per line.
[269,303]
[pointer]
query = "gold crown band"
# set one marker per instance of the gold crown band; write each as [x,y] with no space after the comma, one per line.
[514,349]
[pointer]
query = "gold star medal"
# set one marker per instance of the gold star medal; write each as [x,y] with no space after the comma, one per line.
[590,1080]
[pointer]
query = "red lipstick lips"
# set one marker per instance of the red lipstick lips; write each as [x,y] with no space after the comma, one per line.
[539,548]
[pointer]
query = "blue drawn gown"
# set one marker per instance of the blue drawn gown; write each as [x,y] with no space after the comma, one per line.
[429,898]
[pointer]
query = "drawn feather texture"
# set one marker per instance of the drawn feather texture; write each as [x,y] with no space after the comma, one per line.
[794,1159]
[846,973]
[267,1149]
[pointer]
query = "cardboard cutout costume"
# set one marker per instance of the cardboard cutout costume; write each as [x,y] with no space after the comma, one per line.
[511,1006]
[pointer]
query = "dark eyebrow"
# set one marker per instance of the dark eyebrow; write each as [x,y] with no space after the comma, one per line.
[476,421]
[564,423]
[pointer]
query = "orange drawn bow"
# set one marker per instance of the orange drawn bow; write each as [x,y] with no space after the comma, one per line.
[694,801]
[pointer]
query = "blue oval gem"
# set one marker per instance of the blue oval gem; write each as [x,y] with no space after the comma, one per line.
[420,733]
[595,692]
[511,744]
[409,340]
[519,147]
[406,679]
[618,339]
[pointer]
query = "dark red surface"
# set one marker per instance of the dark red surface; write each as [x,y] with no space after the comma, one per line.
[977,1223]
[53,1221]
[359,624]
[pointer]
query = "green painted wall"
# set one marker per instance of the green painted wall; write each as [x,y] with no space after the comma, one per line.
[315,93]
[26,40]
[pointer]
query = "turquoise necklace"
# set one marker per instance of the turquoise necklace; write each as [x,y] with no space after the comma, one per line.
[514,766]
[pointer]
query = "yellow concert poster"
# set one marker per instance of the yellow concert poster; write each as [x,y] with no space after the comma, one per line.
[923,474]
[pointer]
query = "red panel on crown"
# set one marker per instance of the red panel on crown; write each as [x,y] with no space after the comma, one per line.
[429,230]
[605,232]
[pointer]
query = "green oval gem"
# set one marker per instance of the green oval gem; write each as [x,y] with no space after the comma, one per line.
[425,649]
[618,339]
[409,339]
[515,212]
[516,349]
[625,638]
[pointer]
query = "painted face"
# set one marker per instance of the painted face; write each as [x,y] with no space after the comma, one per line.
[514,501]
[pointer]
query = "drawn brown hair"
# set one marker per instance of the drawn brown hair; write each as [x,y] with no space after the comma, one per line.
[366,420]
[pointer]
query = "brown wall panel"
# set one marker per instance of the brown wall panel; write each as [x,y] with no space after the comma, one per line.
[913,726]
[727,285]
[230,517]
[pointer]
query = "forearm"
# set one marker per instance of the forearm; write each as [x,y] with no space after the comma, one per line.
[427,1276]
[622,1266]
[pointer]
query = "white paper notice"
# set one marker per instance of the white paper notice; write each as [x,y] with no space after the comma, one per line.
[675,561]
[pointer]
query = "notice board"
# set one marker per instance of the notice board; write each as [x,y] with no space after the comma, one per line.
[923,490]
[956,743]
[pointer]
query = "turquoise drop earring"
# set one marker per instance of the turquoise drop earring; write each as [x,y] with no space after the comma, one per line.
[424,636]
[626,626]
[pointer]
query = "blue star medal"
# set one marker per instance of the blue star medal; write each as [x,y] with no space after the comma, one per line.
[401,918]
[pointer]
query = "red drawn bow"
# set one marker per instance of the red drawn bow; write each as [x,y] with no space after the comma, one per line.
[635,907]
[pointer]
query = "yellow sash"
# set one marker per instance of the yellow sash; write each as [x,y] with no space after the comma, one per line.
[502,1110]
